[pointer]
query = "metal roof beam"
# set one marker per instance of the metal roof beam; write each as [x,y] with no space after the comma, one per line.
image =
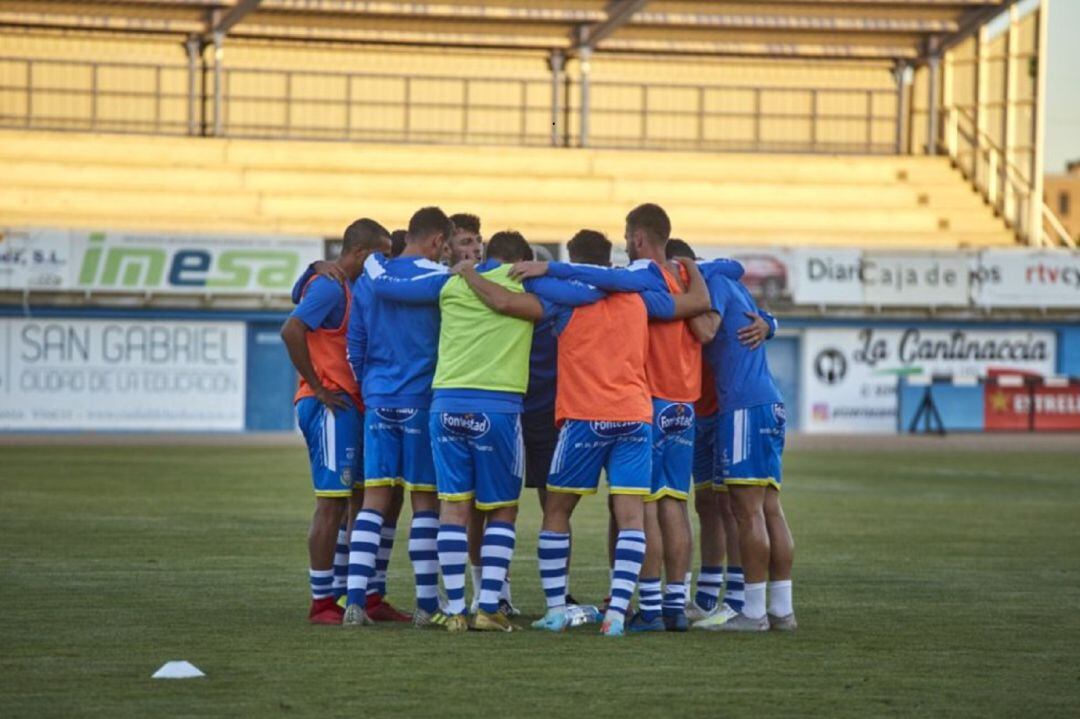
[225,22]
[618,14]
[971,21]
[116,23]
[817,23]
[759,49]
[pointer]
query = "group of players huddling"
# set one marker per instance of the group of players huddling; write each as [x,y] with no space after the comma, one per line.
[453,376]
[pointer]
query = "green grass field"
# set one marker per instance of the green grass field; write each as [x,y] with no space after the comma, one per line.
[926,583]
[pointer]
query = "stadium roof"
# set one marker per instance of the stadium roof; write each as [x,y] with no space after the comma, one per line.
[845,29]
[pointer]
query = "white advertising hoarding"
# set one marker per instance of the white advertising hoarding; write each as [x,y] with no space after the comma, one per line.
[1023,278]
[68,374]
[134,262]
[881,279]
[849,376]
[34,259]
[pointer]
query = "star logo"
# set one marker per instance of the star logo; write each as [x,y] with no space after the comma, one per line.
[998,402]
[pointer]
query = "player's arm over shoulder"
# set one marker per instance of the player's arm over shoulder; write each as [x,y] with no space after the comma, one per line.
[522,305]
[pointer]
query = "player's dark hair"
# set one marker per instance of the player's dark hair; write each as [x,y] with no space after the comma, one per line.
[590,247]
[428,221]
[678,248]
[397,242]
[365,234]
[508,246]
[531,254]
[652,219]
[465,221]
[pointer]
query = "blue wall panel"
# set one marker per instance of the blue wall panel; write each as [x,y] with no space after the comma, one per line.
[961,408]
[783,355]
[1069,350]
[271,379]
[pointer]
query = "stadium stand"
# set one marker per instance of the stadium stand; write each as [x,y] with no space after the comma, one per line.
[316,188]
[849,108]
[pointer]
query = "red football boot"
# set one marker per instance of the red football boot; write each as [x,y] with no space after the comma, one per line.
[325,611]
[383,611]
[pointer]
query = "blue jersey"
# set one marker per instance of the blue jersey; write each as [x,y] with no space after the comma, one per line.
[543,358]
[395,368]
[424,289]
[742,375]
[638,276]
[393,346]
[322,305]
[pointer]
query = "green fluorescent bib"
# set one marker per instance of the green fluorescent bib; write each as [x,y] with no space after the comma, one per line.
[479,348]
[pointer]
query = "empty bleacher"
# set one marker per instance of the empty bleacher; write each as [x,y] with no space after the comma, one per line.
[254,186]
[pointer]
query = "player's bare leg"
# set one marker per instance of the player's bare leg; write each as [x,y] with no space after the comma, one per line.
[322,535]
[730,528]
[781,557]
[475,529]
[713,538]
[748,503]
[557,511]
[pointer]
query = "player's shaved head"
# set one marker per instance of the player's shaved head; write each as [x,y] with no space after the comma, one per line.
[652,220]
[508,246]
[679,248]
[590,247]
[360,239]
[429,221]
[365,234]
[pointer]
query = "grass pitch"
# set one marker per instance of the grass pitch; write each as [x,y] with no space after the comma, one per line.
[930,583]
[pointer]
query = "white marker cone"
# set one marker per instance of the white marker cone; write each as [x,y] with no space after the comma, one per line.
[177,670]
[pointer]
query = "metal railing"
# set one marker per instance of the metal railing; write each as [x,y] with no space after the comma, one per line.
[1001,183]
[346,106]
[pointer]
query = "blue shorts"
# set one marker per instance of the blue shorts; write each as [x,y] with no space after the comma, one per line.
[706,465]
[334,444]
[397,449]
[478,455]
[624,449]
[751,443]
[672,449]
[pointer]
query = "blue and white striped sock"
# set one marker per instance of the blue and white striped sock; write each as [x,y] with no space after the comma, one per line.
[382,559]
[453,556]
[710,580]
[650,599]
[553,554]
[362,551]
[734,592]
[674,599]
[341,561]
[495,555]
[629,554]
[424,553]
[322,583]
